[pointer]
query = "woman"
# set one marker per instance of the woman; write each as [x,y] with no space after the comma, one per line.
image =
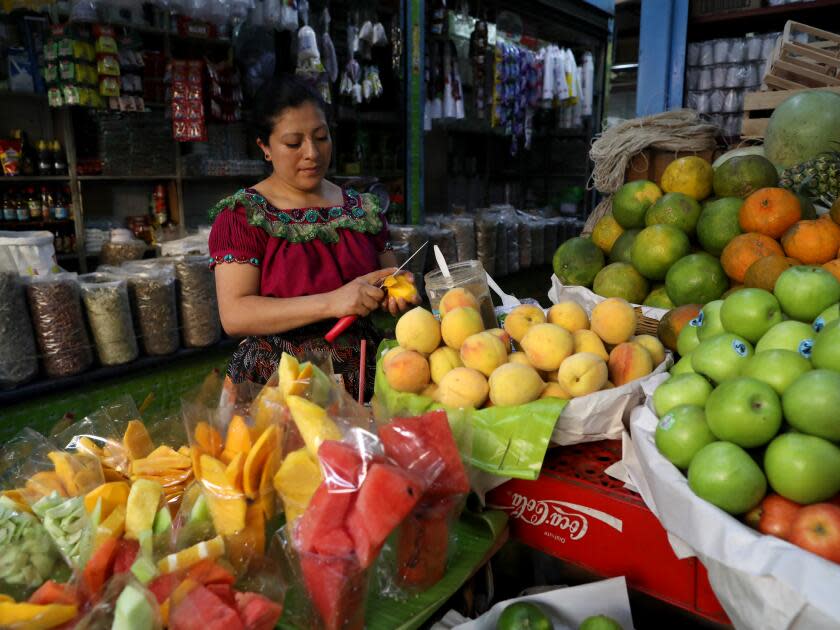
[295,252]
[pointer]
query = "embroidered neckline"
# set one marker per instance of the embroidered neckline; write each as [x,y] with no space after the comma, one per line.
[360,212]
[230,258]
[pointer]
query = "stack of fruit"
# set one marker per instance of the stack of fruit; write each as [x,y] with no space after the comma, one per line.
[754,400]
[688,247]
[562,355]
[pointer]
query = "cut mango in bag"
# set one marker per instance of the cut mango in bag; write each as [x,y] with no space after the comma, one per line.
[184,559]
[238,439]
[142,506]
[112,494]
[35,616]
[296,481]
[313,423]
[265,445]
[137,441]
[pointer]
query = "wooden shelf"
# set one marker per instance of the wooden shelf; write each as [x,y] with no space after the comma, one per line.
[36,225]
[126,178]
[33,179]
[36,96]
[762,19]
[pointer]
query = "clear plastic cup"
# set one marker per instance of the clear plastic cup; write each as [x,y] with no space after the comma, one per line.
[469,275]
[721,50]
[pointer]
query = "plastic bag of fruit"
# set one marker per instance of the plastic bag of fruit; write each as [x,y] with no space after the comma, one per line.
[124,602]
[761,581]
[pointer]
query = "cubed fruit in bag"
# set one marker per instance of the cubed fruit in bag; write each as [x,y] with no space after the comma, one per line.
[201,609]
[51,592]
[224,592]
[142,506]
[326,513]
[257,612]
[113,494]
[338,543]
[163,586]
[111,527]
[127,551]
[387,496]
[338,588]
[133,610]
[210,572]
[100,566]
[34,616]
[186,558]
[341,465]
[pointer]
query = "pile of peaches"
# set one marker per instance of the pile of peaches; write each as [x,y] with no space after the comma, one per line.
[562,353]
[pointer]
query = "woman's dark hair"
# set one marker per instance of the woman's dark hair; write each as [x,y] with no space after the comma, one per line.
[278,95]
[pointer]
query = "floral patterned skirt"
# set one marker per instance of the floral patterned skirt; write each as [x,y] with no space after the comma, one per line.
[256,358]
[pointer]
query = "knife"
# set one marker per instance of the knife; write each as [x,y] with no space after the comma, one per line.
[345,322]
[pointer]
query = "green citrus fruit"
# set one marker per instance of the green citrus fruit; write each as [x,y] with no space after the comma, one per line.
[577,261]
[658,298]
[620,251]
[675,209]
[523,616]
[606,232]
[632,200]
[657,248]
[621,280]
[696,279]
[718,224]
[743,175]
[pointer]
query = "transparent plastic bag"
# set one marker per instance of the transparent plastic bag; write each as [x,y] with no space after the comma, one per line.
[154,298]
[124,602]
[464,230]
[198,307]
[18,356]
[109,314]
[59,324]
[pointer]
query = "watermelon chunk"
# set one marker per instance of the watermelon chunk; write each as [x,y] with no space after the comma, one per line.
[341,464]
[224,592]
[387,496]
[127,551]
[337,543]
[99,568]
[208,571]
[338,588]
[425,445]
[164,585]
[51,592]
[201,609]
[325,513]
[422,549]
[257,612]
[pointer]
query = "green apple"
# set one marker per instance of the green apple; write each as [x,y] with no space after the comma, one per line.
[681,433]
[827,316]
[803,468]
[599,622]
[722,357]
[725,475]
[683,389]
[687,339]
[750,313]
[683,366]
[812,404]
[804,292]
[826,350]
[709,319]
[777,368]
[788,335]
[744,411]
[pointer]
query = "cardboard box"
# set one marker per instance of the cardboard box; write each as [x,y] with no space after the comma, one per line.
[580,515]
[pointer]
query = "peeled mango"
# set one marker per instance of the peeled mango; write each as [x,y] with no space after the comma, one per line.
[400,287]
[67,523]
[27,554]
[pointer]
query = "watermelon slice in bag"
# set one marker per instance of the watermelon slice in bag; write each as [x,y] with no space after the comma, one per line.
[425,445]
[422,548]
[51,592]
[257,612]
[326,512]
[341,464]
[201,609]
[127,551]
[338,588]
[387,496]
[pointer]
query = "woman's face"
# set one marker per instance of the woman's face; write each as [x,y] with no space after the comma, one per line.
[300,146]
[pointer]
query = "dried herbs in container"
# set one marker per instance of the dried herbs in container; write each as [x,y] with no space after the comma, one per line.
[109,314]
[199,310]
[59,324]
[18,357]
[153,293]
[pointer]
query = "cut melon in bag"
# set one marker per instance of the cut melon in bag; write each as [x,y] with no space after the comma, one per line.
[338,588]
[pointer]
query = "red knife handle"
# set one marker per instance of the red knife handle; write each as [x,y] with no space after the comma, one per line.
[341,325]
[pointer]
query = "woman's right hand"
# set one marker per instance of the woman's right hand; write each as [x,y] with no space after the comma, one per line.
[360,296]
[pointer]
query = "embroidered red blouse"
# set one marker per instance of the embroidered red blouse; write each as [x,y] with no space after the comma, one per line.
[299,252]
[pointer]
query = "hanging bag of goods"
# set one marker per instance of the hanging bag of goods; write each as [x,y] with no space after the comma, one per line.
[109,314]
[197,302]
[18,356]
[153,295]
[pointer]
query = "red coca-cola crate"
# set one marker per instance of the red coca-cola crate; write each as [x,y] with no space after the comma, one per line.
[577,513]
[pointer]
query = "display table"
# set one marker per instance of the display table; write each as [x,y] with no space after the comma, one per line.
[578,514]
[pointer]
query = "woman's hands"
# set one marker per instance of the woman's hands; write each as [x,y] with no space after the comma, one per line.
[395,306]
[360,296]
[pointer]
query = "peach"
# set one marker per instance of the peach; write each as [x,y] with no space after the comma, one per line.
[418,330]
[546,345]
[501,334]
[407,371]
[652,345]
[519,357]
[514,384]
[442,360]
[430,391]
[456,298]
[582,374]
[588,341]
[570,315]
[520,319]
[613,320]
[483,352]
[629,361]
[555,390]
[391,354]
[463,387]
[460,324]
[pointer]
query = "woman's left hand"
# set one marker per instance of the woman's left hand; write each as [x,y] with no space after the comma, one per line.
[395,306]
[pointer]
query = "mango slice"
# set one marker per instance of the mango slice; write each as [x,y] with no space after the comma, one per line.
[112,494]
[35,616]
[249,542]
[234,471]
[400,287]
[65,470]
[267,496]
[313,423]
[208,439]
[267,443]
[226,503]
[111,527]
[296,481]
[184,559]
[238,439]
[141,507]
[45,483]
[137,441]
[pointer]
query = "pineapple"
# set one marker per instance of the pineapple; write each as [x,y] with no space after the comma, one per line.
[818,178]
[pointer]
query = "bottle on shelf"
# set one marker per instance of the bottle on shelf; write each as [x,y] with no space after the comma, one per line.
[60,210]
[45,159]
[159,206]
[68,202]
[21,207]
[46,203]
[27,161]
[9,208]
[33,201]
[59,159]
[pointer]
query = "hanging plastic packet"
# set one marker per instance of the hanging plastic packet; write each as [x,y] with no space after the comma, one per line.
[379,37]
[328,48]
[289,16]
[303,11]
[307,52]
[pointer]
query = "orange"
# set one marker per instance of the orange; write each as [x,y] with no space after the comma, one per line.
[770,211]
[763,272]
[814,242]
[743,250]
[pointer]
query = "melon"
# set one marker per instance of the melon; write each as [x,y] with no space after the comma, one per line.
[164,585]
[325,513]
[127,551]
[758,150]
[341,464]
[202,609]
[338,544]
[258,612]
[134,611]
[338,588]
[387,496]
[802,127]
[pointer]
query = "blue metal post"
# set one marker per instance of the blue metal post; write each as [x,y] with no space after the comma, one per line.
[414,33]
[662,40]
